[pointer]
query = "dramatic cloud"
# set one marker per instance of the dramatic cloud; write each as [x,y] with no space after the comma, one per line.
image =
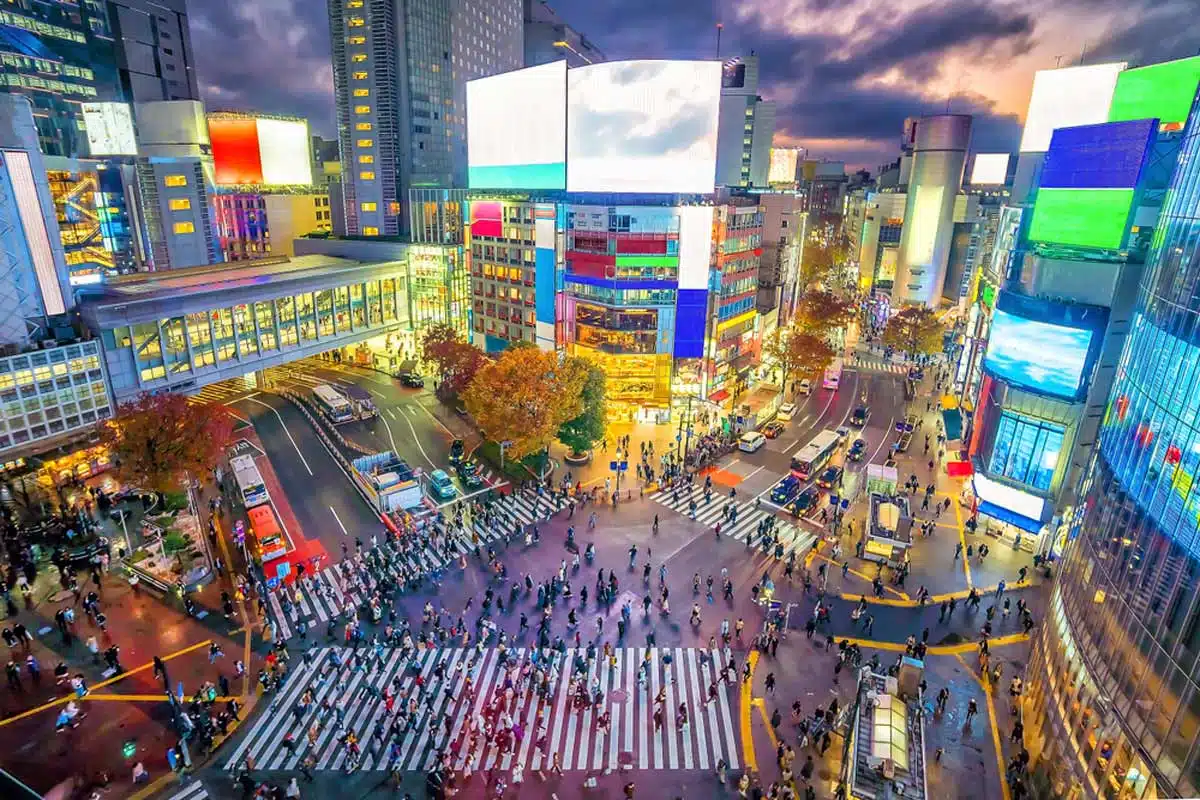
[845,73]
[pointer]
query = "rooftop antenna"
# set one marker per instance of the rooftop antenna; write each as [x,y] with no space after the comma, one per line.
[720,27]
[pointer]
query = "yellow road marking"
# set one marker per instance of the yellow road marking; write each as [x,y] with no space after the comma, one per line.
[937,649]
[248,627]
[935,598]
[962,539]
[992,723]
[747,735]
[62,700]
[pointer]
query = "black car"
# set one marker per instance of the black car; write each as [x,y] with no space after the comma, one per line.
[860,415]
[468,473]
[857,450]
[81,555]
[457,448]
[805,500]
[829,478]
[413,380]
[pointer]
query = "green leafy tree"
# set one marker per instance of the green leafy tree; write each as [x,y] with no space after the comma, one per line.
[582,432]
[821,312]
[915,330]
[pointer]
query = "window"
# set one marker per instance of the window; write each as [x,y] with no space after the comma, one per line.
[368,206]
[362,126]
[184,227]
[366,175]
[355,22]
[354,4]
[358,40]
[362,109]
[175,180]
[366,142]
[366,159]
[360,75]
[358,58]
[1026,449]
[180,203]
[370,231]
[362,92]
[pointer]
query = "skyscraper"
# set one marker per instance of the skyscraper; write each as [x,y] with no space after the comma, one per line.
[747,125]
[549,38]
[154,50]
[400,69]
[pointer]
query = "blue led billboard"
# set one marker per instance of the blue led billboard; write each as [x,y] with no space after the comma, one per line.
[1045,347]
[1105,156]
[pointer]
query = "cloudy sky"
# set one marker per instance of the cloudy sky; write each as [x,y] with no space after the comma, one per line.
[845,73]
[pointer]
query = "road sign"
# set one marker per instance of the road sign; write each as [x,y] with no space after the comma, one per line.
[833,499]
[243,447]
[845,504]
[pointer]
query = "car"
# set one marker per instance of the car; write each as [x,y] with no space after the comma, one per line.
[860,415]
[772,429]
[468,473]
[81,555]
[805,500]
[785,489]
[751,441]
[413,380]
[457,448]
[858,450]
[786,411]
[440,485]
[842,433]
[829,478]
[805,387]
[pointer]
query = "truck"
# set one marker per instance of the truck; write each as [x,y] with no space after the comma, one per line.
[360,402]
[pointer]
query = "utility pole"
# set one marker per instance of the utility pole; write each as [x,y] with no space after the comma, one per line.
[720,27]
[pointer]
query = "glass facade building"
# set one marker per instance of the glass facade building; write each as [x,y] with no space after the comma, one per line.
[48,393]
[1114,703]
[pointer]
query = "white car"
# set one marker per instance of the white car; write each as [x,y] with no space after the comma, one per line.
[751,441]
[786,411]
[805,387]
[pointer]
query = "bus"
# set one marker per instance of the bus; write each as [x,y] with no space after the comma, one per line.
[266,535]
[249,482]
[360,402]
[813,457]
[332,404]
[833,375]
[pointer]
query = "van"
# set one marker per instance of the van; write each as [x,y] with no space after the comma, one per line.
[805,387]
[751,441]
[786,411]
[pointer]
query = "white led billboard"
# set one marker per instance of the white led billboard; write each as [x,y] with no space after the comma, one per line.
[643,126]
[517,129]
[283,147]
[695,246]
[1010,499]
[1065,98]
[989,168]
[784,161]
[110,129]
[923,226]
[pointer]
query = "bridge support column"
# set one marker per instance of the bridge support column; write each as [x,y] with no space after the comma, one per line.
[260,379]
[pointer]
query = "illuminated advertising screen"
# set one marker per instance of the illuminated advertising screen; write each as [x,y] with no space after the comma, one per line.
[1082,218]
[643,126]
[1008,498]
[516,129]
[110,129]
[1159,91]
[923,227]
[1065,97]
[784,161]
[1043,346]
[990,168]
[260,151]
[887,264]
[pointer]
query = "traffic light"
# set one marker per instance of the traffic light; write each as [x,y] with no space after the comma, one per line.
[129,748]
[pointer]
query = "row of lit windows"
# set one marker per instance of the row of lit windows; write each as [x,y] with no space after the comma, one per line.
[48,84]
[45,66]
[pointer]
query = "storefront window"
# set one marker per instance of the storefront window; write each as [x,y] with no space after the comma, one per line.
[285,309]
[146,346]
[1026,450]
[388,292]
[201,340]
[325,312]
[358,308]
[175,353]
[341,305]
[264,315]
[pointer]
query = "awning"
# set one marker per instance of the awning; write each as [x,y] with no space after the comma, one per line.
[719,396]
[1011,517]
[952,419]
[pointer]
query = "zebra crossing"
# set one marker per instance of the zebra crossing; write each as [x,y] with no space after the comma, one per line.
[693,679]
[877,364]
[321,596]
[220,393]
[194,790]
[748,517]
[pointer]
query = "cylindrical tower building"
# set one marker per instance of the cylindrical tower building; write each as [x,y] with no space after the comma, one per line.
[1113,700]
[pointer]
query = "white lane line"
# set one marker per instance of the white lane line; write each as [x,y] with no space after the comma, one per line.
[440,424]
[285,430]
[339,521]
[390,413]
[416,439]
[752,474]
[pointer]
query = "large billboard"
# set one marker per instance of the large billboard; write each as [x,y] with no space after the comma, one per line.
[643,126]
[259,151]
[1045,347]
[990,169]
[516,129]
[1160,91]
[110,129]
[784,163]
[1065,97]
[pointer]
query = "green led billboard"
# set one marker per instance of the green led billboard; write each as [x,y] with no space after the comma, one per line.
[1159,91]
[1096,218]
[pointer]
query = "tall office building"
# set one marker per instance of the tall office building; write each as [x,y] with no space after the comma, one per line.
[549,38]
[154,50]
[747,125]
[400,69]
[939,157]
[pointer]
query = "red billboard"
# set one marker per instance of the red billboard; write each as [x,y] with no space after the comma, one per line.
[235,151]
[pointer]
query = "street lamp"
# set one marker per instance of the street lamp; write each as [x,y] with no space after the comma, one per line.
[619,465]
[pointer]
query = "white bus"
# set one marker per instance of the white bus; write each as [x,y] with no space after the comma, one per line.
[813,457]
[833,375]
[333,405]
[249,482]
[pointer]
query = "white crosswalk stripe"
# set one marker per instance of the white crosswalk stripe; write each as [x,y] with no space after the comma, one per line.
[470,685]
[321,595]
[795,539]
[878,364]
[193,790]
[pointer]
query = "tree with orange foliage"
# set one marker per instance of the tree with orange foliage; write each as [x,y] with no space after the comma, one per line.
[524,397]
[798,355]
[156,439]
[456,360]
[821,312]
